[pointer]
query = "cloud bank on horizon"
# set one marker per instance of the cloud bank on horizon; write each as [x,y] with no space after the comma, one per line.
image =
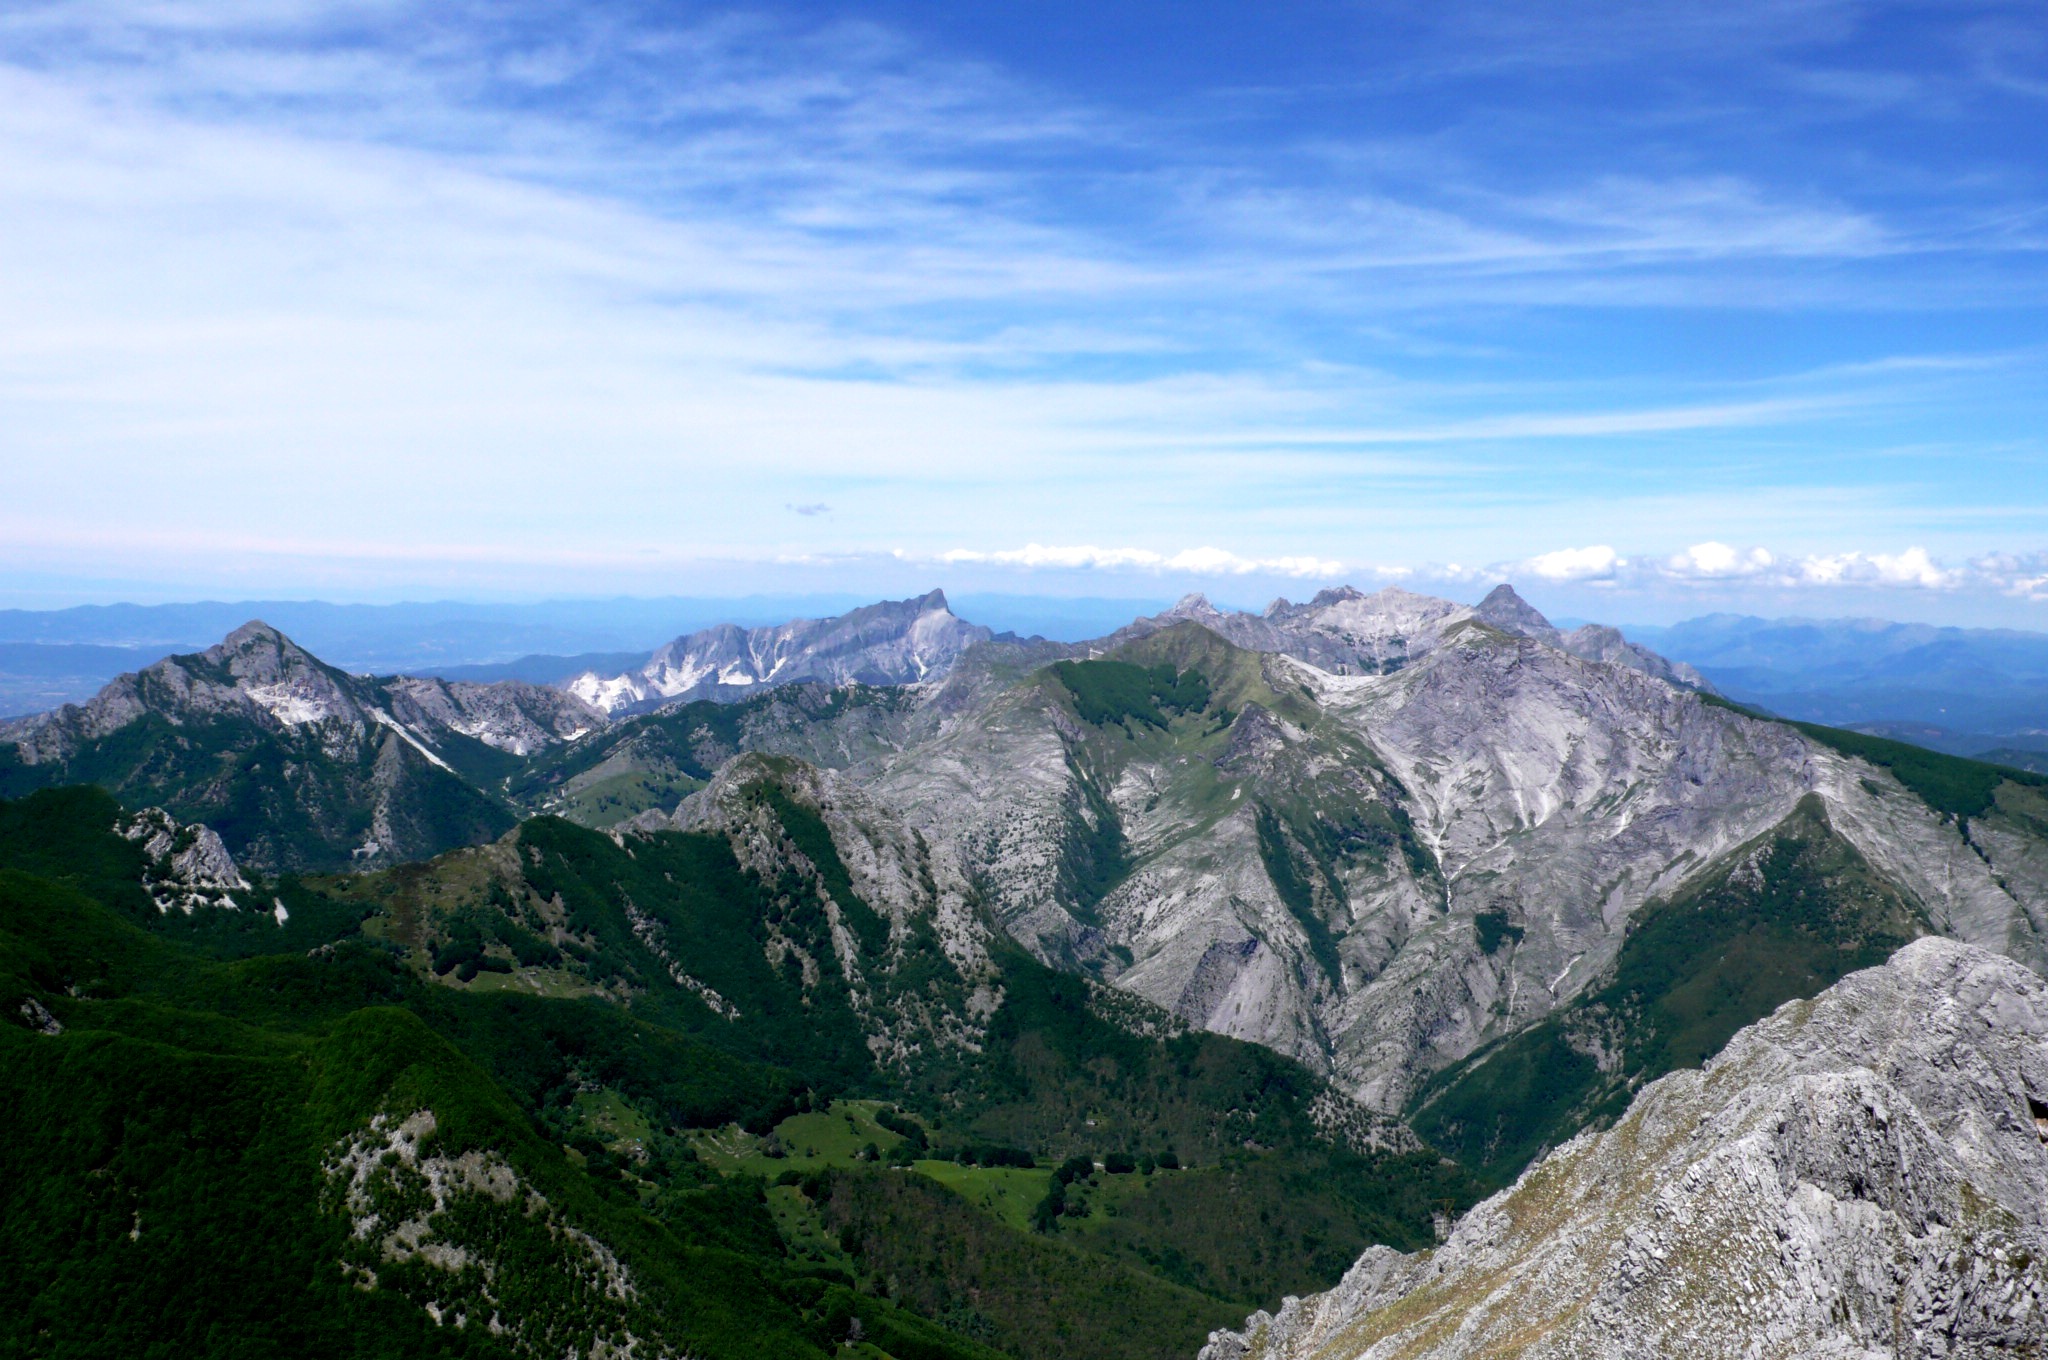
[1703,564]
[380,298]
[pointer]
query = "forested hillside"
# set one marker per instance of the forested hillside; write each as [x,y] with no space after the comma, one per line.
[466,1108]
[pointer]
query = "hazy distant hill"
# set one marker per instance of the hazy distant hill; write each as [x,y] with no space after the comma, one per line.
[38,676]
[1977,684]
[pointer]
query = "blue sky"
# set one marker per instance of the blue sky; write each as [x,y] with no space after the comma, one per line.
[1651,308]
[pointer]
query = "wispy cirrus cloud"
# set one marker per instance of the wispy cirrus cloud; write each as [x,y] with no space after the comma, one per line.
[455,275]
[1205,561]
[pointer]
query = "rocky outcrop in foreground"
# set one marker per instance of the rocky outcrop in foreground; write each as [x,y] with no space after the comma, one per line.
[1864,1174]
[187,866]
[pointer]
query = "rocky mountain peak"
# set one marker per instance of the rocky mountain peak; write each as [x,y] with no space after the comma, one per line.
[255,639]
[893,642]
[254,633]
[1506,610]
[1391,625]
[263,667]
[1346,631]
[344,751]
[1193,605]
[1598,642]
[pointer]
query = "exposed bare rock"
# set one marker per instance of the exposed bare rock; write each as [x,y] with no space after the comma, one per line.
[894,643]
[1347,632]
[188,866]
[257,674]
[1862,1174]
[1510,613]
[37,1017]
[469,1241]
[301,764]
[1597,642]
[509,715]
[1309,875]
[923,900]
[1342,630]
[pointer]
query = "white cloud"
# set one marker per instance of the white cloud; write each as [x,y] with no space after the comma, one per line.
[1913,567]
[1712,566]
[1702,568]
[1598,563]
[1718,562]
[2023,576]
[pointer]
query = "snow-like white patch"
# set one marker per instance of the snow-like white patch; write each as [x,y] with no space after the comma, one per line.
[1573,963]
[277,910]
[1329,684]
[387,720]
[607,694]
[290,706]
[670,679]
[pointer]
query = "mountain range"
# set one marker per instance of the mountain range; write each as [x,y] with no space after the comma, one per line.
[1350,884]
[296,763]
[1968,691]
[895,643]
[58,656]
[1372,832]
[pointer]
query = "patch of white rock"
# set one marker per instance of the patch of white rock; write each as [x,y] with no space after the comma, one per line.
[188,866]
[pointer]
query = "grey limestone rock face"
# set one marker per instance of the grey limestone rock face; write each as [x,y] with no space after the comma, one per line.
[1310,879]
[1862,1174]
[310,766]
[259,675]
[897,642]
[507,715]
[921,896]
[1341,630]
[1347,632]
[1510,613]
[1304,863]
[1596,642]
[188,865]
[255,671]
